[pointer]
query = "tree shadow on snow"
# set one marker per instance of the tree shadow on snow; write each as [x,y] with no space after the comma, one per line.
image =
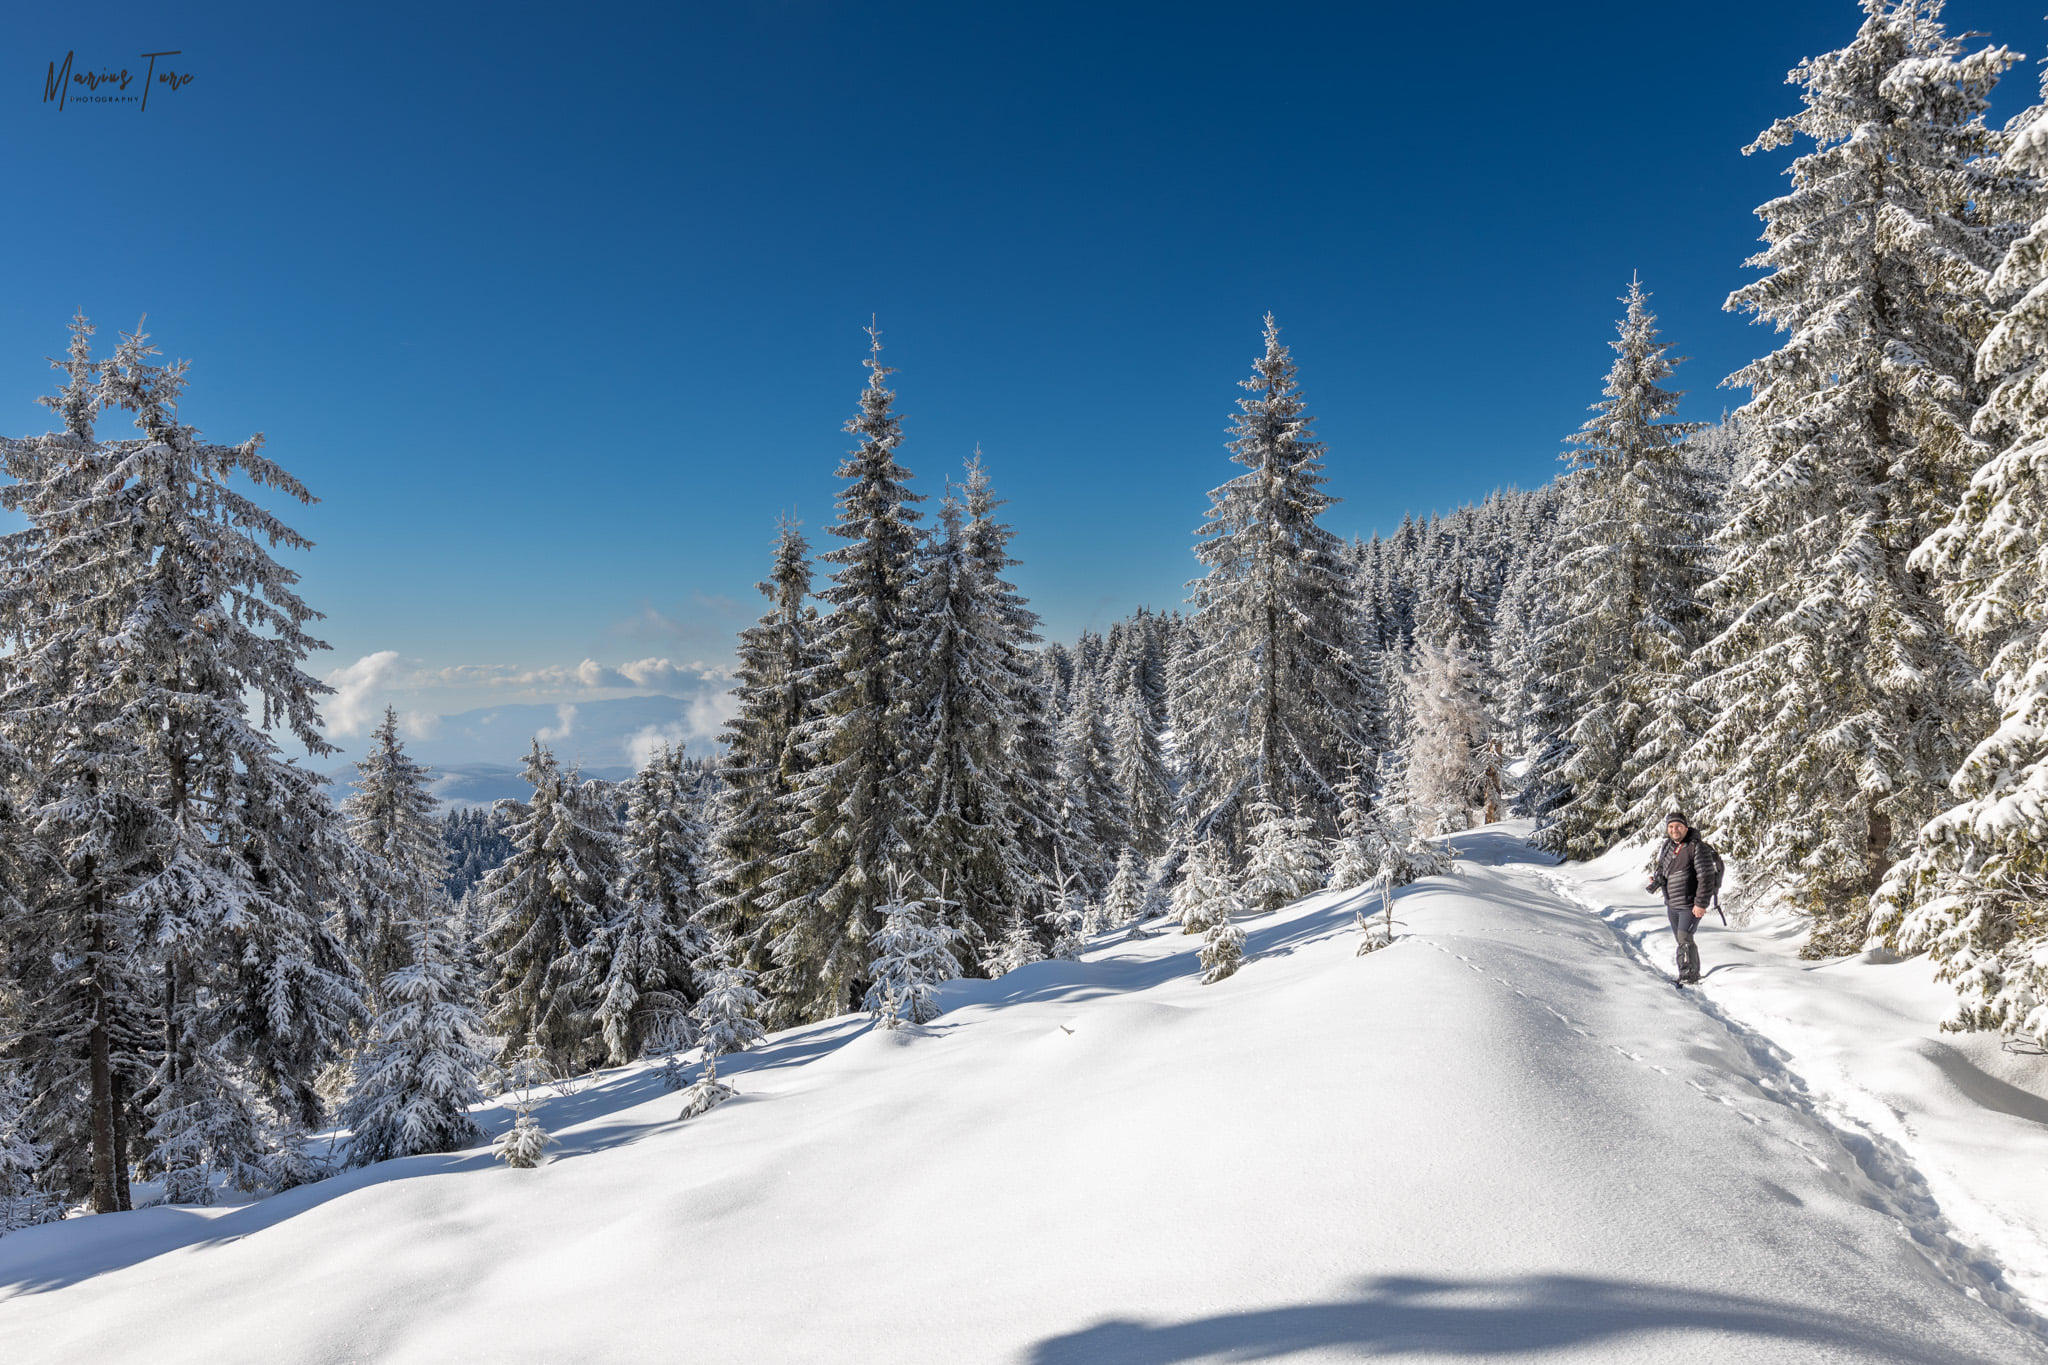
[1400,1315]
[61,1254]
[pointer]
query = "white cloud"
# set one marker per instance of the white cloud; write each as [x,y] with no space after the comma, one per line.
[709,711]
[641,744]
[565,722]
[642,675]
[353,706]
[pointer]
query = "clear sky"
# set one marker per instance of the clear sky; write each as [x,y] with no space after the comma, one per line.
[556,307]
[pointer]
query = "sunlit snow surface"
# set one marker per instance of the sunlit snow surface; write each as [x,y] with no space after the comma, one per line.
[1506,1137]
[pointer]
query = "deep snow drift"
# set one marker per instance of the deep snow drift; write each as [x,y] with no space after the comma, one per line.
[1506,1136]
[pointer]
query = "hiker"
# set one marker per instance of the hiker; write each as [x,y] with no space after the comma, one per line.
[1688,872]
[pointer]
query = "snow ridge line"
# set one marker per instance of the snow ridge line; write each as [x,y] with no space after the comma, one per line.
[1893,1184]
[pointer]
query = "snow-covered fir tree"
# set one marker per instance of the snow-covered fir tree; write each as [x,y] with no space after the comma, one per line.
[913,957]
[640,957]
[1142,774]
[729,1009]
[1970,894]
[1626,589]
[544,905]
[1285,858]
[1019,947]
[966,855]
[1448,727]
[1068,915]
[855,804]
[1030,766]
[763,765]
[143,596]
[728,1015]
[524,1145]
[1271,701]
[391,815]
[24,1202]
[1124,902]
[1093,817]
[1842,702]
[1350,854]
[475,842]
[81,830]
[1222,948]
[417,1077]
[1204,894]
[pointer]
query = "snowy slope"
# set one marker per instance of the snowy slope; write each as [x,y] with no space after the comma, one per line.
[1504,1137]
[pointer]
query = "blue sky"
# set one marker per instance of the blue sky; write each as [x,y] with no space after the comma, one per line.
[556,308]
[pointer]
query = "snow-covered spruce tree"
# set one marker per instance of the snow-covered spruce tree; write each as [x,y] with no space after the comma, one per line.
[1350,854]
[966,859]
[82,828]
[1030,766]
[763,765]
[1068,914]
[1204,893]
[417,1078]
[913,957]
[1450,614]
[1093,816]
[639,960]
[1397,848]
[1270,698]
[24,1202]
[1626,587]
[1970,894]
[476,843]
[1124,902]
[1222,947]
[1447,729]
[1285,861]
[1019,947]
[728,1015]
[543,907]
[391,815]
[1842,703]
[1142,774]
[525,1143]
[855,805]
[158,571]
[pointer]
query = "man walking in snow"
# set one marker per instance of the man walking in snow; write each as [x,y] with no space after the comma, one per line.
[1688,872]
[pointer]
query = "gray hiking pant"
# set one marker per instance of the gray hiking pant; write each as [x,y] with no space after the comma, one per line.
[1682,925]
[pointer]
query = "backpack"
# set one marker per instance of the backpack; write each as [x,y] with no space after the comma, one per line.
[1708,866]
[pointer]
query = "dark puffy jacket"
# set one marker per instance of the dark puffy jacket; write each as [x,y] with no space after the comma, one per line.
[1688,873]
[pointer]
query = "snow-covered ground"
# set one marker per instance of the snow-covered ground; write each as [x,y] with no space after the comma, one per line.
[1505,1137]
[1964,1116]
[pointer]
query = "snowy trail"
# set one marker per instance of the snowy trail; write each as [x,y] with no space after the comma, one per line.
[1506,1137]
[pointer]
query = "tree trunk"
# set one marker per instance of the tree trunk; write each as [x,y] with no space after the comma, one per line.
[123,1200]
[106,1195]
[1877,844]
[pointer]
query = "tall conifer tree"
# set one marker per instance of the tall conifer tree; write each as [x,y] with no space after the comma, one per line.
[1842,701]
[1271,694]
[1971,893]
[1627,587]
[854,806]
[764,765]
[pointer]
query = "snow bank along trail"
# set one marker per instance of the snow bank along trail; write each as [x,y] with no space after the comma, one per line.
[1501,1138]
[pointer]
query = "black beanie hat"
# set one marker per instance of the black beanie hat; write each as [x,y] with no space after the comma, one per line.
[1679,818]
